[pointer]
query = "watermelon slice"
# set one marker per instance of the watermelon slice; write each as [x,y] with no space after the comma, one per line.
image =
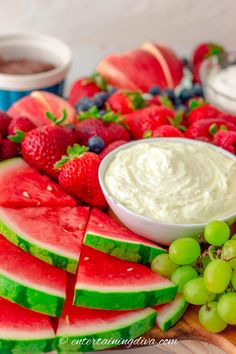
[169,314]
[106,282]
[30,282]
[23,186]
[86,330]
[24,331]
[107,235]
[54,235]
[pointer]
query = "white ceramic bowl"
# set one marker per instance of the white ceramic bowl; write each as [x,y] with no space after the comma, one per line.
[158,231]
[38,47]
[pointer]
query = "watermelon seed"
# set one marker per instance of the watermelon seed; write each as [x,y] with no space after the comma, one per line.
[86,258]
[130,269]
[26,194]
[101,225]
[49,188]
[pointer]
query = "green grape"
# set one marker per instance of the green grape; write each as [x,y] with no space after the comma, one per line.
[233,280]
[196,293]
[205,261]
[229,253]
[184,251]
[227,308]
[217,276]
[217,233]
[233,237]
[210,318]
[182,275]
[162,264]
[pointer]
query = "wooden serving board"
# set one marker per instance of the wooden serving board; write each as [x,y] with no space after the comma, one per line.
[189,328]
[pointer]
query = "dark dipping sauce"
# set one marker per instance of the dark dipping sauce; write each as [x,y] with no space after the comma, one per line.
[24,66]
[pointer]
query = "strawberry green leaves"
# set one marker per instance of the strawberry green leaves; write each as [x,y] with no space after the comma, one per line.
[72,152]
[54,119]
[136,99]
[18,137]
[94,112]
[177,120]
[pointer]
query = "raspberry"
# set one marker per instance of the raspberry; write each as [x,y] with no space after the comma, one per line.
[167,131]
[23,124]
[8,149]
[111,147]
[5,120]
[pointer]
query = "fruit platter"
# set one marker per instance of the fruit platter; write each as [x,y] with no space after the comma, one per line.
[117,209]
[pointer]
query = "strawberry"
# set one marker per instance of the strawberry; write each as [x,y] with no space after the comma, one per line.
[8,149]
[79,175]
[22,124]
[167,131]
[125,101]
[107,127]
[203,111]
[43,147]
[5,120]
[206,128]
[226,139]
[147,119]
[86,87]
[111,147]
[206,50]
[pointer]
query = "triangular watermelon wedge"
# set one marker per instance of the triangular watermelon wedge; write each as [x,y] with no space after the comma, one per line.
[23,186]
[24,331]
[54,235]
[103,329]
[170,313]
[105,234]
[106,282]
[30,282]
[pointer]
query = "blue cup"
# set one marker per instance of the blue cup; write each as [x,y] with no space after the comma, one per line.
[37,47]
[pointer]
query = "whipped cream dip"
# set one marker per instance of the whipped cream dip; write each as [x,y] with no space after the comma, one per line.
[177,182]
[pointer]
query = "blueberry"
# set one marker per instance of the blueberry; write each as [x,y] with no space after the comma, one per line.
[182,107]
[111,90]
[177,102]
[96,144]
[197,90]
[155,90]
[170,93]
[187,63]
[84,104]
[99,99]
[186,94]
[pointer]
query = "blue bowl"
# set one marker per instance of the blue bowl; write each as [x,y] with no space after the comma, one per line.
[38,47]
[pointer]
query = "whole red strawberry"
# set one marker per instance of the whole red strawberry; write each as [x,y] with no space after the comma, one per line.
[44,146]
[22,124]
[167,131]
[206,128]
[124,101]
[8,149]
[226,139]
[111,147]
[79,175]
[204,111]
[147,119]
[5,120]
[86,87]
[107,127]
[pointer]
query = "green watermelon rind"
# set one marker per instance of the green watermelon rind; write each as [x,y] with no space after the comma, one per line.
[170,320]
[129,251]
[32,346]
[33,299]
[123,300]
[55,259]
[126,332]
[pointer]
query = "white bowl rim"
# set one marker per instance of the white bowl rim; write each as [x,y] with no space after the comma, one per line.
[37,80]
[112,154]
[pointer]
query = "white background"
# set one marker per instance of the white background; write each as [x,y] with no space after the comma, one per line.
[94,28]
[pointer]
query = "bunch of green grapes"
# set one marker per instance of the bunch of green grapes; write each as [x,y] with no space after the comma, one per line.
[207,279]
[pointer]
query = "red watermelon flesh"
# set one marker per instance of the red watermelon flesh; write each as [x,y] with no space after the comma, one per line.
[22,186]
[54,235]
[107,235]
[24,331]
[30,282]
[106,282]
